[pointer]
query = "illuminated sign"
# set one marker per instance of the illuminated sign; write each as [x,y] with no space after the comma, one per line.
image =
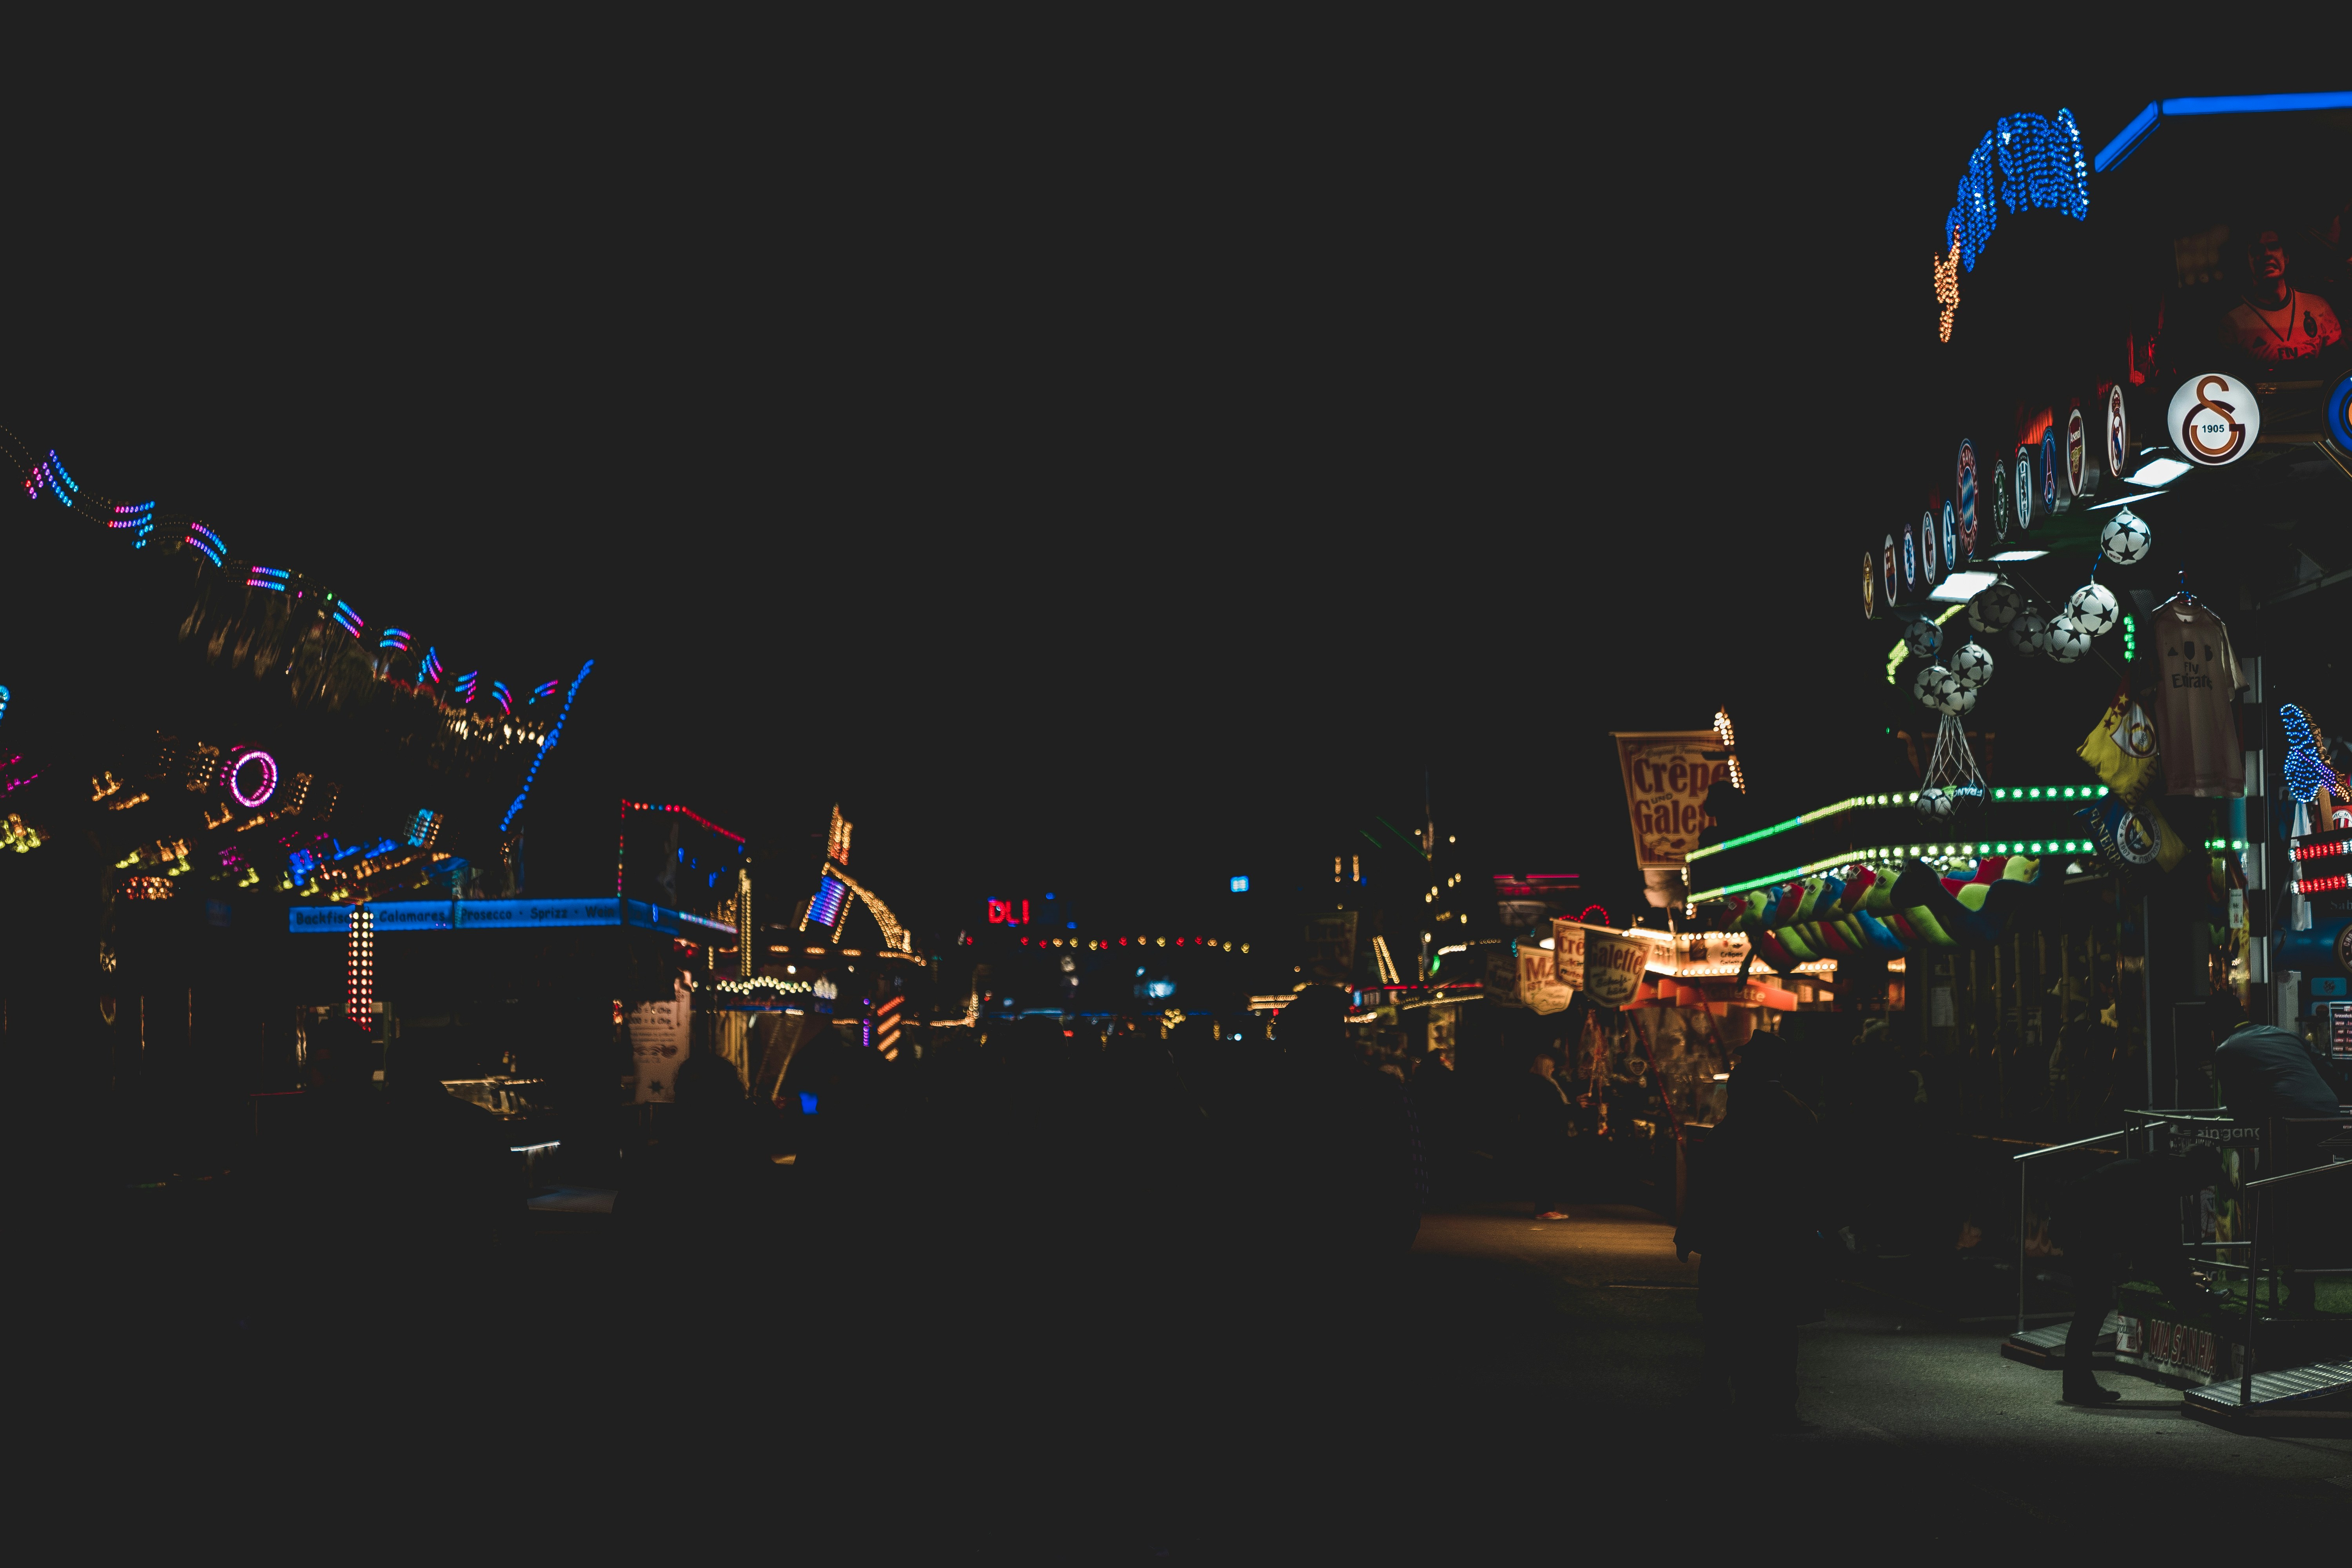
[1951,539]
[2081,477]
[250,777]
[1008,911]
[1964,493]
[1869,608]
[1930,561]
[2023,488]
[2049,466]
[1241,884]
[2214,420]
[1667,775]
[505,914]
[2338,411]
[2119,452]
[2025,161]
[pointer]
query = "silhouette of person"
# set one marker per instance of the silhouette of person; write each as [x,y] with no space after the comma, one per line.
[2124,1215]
[1753,1213]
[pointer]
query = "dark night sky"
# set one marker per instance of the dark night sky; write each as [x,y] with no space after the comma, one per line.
[1117,488]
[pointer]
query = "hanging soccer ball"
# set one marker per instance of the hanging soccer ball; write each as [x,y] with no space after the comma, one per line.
[1933,686]
[1995,607]
[2094,609]
[1973,665]
[1923,638]
[2068,639]
[2125,538]
[1934,805]
[1958,699]
[2030,633]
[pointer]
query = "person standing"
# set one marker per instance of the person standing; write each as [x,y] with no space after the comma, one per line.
[1754,1214]
[2126,1214]
[2267,1078]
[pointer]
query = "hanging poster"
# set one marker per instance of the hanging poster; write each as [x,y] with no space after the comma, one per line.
[659,1034]
[1568,953]
[1502,981]
[1539,988]
[1668,773]
[1613,967]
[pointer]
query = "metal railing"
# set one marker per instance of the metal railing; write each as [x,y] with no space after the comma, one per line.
[2121,1135]
[2257,1190]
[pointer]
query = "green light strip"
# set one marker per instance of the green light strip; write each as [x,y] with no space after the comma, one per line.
[2053,791]
[1911,852]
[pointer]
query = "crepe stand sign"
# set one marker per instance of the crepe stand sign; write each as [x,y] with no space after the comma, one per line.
[1667,773]
[1568,953]
[1613,967]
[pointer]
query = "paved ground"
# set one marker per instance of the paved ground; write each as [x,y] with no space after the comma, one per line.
[1570,1349]
[960,1385]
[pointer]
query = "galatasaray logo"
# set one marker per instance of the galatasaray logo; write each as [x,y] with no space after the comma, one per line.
[2214,420]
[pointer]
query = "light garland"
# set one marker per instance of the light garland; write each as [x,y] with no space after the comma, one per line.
[1948,853]
[546,746]
[358,991]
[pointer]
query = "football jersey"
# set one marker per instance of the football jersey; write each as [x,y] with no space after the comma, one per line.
[2303,327]
[2196,675]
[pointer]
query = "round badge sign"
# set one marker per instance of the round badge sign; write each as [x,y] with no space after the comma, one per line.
[1964,491]
[1930,569]
[1910,563]
[2053,494]
[2081,466]
[2119,451]
[2003,501]
[1951,539]
[2339,413]
[2214,420]
[1886,582]
[1869,586]
[2137,840]
[2029,496]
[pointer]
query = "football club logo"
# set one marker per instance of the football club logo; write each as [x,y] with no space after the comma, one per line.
[2137,840]
[2001,499]
[2214,420]
[2082,479]
[1887,584]
[1869,586]
[1951,539]
[2025,489]
[1910,563]
[2050,471]
[1964,488]
[2339,412]
[1929,570]
[2119,452]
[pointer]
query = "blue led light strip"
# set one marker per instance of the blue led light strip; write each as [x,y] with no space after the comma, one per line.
[552,736]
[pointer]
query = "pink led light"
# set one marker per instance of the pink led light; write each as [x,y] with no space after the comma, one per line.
[234,774]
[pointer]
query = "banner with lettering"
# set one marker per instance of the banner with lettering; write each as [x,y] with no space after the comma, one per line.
[1668,773]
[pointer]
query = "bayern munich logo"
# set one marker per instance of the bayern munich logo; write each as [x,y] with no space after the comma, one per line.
[1964,489]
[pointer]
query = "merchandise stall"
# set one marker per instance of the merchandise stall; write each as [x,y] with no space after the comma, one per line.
[2110,617]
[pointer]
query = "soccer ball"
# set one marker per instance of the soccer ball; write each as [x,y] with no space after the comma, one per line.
[1995,607]
[1932,685]
[2030,633]
[2125,538]
[1923,638]
[1961,699]
[1973,665]
[2094,609]
[2069,639]
[1934,805]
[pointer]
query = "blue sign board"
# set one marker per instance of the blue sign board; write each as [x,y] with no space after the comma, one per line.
[505,914]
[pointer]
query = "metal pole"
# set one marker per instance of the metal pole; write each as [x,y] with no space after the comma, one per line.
[2147,995]
[2253,1274]
[2020,1247]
